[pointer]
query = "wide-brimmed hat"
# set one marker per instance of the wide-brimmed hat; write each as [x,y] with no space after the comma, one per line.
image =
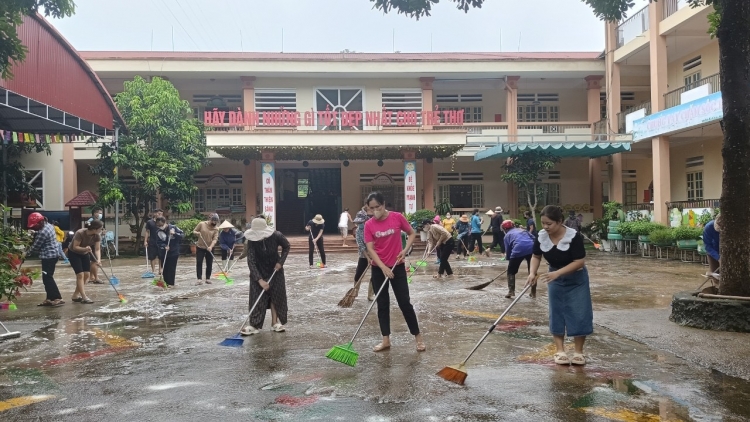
[464,219]
[318,219]
[226,225]
[490,212]
[259,230]
[498,209]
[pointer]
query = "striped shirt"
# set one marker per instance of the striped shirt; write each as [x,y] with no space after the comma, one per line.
[45,243]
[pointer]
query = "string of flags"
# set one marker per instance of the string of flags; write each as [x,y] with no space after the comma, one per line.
[10,137]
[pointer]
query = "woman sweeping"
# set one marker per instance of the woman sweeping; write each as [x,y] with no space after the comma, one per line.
[227,239]
[383,239]
[570,311]
[316,227]
[263,259]
[441,241]
[168,239]
[519,247]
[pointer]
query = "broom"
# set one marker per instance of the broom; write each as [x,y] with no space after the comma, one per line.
[483,285]
[596,245]
[147,274]
[237,340]
[227,280]
[457,373]
[8,334]
[317,253]
[111,283]
[352,294]
[344,353]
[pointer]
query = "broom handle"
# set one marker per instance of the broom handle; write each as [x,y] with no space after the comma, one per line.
[496,322]
[256,302]
[371,305]
[362,277]
[315,246]
[212,256]
[169,240]
[105,274]
[5,328]
[146,248]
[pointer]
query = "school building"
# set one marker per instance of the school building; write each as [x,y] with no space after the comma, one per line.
[293,135]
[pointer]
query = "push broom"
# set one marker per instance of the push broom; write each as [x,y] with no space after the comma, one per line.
[457,373]
[111,283]
[317,253]
[483,285]
[344,353]
[8,334]
[352,294]
[596,245]
[237,340]
[147,274]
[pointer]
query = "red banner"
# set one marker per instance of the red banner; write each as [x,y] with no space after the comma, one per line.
[285,118]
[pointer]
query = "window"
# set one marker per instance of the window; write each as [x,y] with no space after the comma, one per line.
[695,186]
[691,81]
[458,98]
[402,100]
[208,102]
[471,114]
[303,188]
[339,100]
[35,178]
[211,199]
[631,193]
[691,64]
[393,195]
[274,100]
[548,194]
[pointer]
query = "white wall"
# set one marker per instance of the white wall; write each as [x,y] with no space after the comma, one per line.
[52,167]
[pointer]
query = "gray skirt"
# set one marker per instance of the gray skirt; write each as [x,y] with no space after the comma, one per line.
[570,310]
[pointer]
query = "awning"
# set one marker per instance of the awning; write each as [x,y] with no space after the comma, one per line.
[559,149]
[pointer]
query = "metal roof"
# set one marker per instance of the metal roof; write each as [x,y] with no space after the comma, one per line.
[559,149]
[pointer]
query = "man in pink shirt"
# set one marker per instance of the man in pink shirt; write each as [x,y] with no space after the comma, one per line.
[383,240]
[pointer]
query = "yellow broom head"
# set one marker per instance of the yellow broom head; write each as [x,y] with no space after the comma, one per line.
[456,374]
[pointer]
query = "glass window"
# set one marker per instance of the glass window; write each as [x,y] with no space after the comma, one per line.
[338,100]
[548,194]
[631,193]
[695,186]
[303,188]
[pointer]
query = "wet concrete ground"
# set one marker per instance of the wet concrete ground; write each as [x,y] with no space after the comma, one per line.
[157,358]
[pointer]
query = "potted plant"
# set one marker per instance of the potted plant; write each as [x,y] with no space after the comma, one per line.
[687,237]
[13,278]
[643,229]
[626,230]
[416,218]
[187,226]
[443,208]
[662,237]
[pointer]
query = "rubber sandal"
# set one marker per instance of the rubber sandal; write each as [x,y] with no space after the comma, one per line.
[77,299]
[45,303]
[561,358]
[96,282]
[209,281]
[436,276]
[421,347]
[279,328]
[249,330]
[380,348]
[87,301]
[578,359]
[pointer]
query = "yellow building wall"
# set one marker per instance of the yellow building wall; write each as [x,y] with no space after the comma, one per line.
[493,101]
[643,174]
[712,167]
[709,65]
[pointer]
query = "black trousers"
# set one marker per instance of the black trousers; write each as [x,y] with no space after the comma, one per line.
[498,239]
[400,288]
[515,263]
[462,246]
[224,254]
[200,255]
[321,250]
[362,264]
[444,252]
[475,237]
[170,266]
[48,278]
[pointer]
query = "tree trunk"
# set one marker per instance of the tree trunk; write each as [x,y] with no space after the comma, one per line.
[529,195]
[734,62]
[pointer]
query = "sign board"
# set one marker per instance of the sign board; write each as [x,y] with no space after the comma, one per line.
[695,93]
[631,117]
[685,116]
[410,187]
[269,191]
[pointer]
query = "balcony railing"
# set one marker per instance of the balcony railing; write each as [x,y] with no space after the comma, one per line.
[698,203]
[475,128]
[555,127]
[621,116]
[632,27]
[674,98]
[638,207]
[671,6]
[602,126]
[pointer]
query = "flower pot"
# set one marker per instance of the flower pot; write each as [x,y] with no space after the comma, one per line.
[192,249]
[614,236]
[643,239]
[630,237]
[606,247]
[687,244]
[614,223]
[613,229]
[422,236]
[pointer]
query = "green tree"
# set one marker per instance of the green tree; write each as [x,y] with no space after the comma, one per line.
[13,174]
[730,23]
[165,146]
[525,171]
[11,15]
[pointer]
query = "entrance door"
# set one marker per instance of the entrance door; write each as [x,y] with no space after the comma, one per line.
[305,193]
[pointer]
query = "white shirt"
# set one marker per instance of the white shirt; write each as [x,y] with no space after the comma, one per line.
[344,219]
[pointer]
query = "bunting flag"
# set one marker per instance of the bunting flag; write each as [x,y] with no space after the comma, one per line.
[8,136]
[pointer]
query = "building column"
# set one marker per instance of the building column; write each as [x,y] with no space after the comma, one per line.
[613,78]
[615,184]
[659,144]
[249,182]
[248,95]
[70,172]
[593,94]
[427,99]
[428,184]
[511,111]
[595,178]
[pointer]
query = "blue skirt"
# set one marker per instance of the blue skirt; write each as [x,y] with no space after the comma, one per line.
[570,310]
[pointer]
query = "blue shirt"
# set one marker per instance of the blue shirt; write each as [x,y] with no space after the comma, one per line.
[227,239]
[476,224]
[711,240]
[162,237]
[463,229]
[518,243]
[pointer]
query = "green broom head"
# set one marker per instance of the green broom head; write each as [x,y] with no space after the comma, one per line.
[228,281]
[344,354]
[408,280]
[412,269]
[12,306]
[472,259]
[422,264]
[160,283]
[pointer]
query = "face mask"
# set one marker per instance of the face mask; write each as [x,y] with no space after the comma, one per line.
[379,213]
[213,223]
[447,216]
[99,216]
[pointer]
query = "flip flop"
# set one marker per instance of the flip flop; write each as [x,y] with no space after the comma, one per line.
[421,347]
[561,358]
[578,359]
[380,348]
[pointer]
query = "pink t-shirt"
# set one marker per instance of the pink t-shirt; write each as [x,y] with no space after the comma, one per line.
[386,236]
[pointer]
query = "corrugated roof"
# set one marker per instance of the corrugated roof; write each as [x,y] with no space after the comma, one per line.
[338,57]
